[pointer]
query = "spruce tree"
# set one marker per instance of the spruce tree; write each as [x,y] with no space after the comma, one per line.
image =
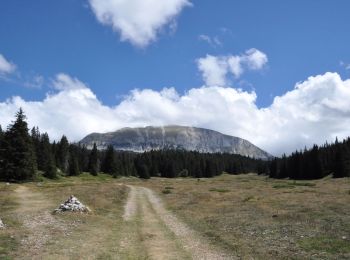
[62,154]
[109,164]
[35,136]
[94,161]
[19,159]
[73,165]
[47,158]
[141,169]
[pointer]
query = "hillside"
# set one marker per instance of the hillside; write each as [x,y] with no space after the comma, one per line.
[174,137]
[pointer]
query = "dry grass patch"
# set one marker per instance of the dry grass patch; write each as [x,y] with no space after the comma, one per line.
[38,233]
[262,218]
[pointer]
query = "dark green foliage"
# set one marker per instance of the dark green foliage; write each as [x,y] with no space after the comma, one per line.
[17,154]
[62,154]
[47,158]
[142,169]
[73,164]
[94,161]
[50,169]
[315,163]
[178,163]
[110,163]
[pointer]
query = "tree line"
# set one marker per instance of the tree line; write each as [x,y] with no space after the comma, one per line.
[26,154]
[314,163]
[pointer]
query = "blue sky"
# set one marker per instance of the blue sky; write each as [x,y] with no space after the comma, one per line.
[299,39]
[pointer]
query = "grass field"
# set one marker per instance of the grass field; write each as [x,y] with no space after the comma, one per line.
[250,216]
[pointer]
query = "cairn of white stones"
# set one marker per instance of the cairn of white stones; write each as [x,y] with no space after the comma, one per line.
[72,204]
[2,225]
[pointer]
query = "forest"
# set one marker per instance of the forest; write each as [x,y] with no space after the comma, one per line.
[314,163]
[27,155]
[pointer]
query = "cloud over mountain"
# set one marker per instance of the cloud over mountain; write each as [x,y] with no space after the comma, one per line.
[316,110]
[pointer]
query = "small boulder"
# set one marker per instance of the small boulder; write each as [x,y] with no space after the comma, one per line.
[72,204]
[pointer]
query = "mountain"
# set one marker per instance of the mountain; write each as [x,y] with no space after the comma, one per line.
[174,137]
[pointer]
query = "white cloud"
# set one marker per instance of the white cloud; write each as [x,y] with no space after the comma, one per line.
[213,69]
[6,67]
[254,59]
[344,65]
[66,82]
[138,21]
[316,110]
[217,69]
[212,41]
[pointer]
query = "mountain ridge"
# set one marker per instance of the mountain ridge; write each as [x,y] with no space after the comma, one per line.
[142,139]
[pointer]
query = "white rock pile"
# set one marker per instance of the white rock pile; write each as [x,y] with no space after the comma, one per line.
[2,225]
[72,204]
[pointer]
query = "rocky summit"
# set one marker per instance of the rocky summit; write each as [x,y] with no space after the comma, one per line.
[174,137]
[72,204]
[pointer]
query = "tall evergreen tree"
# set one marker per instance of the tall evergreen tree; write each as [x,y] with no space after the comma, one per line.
[19,160]
[62,154]
[109,164]
[73,164]
[47,158]
[94,161]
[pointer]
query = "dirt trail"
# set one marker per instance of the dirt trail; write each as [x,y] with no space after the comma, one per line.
[164,235]
[34,213]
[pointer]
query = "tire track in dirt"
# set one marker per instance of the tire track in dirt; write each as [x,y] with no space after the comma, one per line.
[164,236]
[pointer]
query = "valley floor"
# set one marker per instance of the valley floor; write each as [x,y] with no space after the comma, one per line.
[227,217]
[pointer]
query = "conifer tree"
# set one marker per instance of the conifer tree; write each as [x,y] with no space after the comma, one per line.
[19,160]
[73,165]
[141,169]
[47,158]
[62,154]
[109,165]
[94,161]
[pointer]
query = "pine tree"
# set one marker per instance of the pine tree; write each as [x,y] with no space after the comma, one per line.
[94,161]
[73,165]
[109,165]
[35,135]
[62,154]
[142,169]
[47,158]
[19,160]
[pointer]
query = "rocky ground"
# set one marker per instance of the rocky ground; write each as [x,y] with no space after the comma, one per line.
[72,204]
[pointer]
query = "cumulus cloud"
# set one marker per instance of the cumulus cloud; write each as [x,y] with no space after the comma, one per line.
[316,110]
[138,21]
[6,67]
[217,69]
[66,82]
[214,70]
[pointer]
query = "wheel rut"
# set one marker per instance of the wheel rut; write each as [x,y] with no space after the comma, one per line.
[161,233]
